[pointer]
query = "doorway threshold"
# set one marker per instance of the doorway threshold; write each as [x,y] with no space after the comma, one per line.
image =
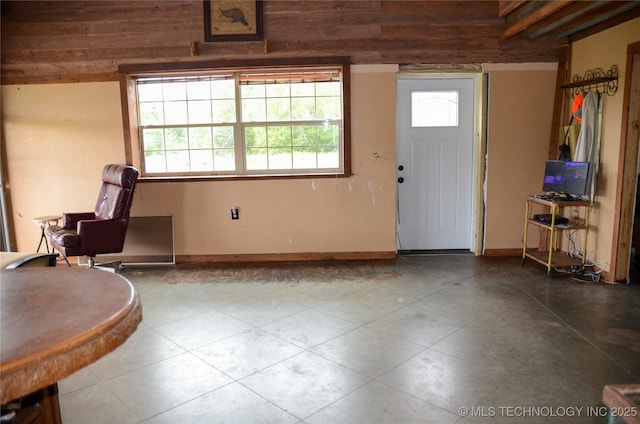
[434,252]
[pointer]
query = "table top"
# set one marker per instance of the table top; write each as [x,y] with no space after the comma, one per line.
[46,218]
[55,321]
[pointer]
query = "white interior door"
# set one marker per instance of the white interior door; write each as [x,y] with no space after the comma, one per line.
[436,127]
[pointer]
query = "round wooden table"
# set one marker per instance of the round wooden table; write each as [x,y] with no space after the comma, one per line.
[55,321]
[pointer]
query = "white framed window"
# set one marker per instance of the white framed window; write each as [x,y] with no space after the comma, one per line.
[254,121]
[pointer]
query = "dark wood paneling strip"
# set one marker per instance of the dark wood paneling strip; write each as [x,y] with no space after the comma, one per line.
[85,40]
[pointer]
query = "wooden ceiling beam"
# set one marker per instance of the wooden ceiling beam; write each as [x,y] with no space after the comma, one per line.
[568,20]
[543,12]
[597,19]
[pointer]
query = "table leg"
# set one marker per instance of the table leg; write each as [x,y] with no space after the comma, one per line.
[42,237]
[40,407]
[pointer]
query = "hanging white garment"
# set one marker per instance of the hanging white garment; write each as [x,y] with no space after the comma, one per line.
[586,139]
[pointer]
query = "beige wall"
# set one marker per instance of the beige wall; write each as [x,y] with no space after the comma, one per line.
[58,137]
[519,124]
[601,51]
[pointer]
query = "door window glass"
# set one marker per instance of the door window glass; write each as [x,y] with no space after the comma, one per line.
[434,109]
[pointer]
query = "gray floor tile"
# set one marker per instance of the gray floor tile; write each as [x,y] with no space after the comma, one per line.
[304,384]
[233,403]
[309,328]
[166,384]
[419,324]
[201,329]
[95,404]
[376,403]
[246,353]
[367,351]
[443,380]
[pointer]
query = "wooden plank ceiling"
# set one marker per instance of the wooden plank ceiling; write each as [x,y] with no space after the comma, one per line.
[564,19]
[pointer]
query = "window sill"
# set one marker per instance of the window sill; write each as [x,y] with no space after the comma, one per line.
[191,178]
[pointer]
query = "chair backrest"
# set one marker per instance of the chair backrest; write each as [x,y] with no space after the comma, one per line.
[116,193]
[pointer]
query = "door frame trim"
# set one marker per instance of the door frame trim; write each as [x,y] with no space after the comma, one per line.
[627,176]
[478,194]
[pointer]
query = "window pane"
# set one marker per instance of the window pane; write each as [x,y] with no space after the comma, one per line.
[329,159]
[200,138]
[278,90]
[155,162]
[328,146]
[150,92]
[201,160]
[255,137]
[224,111]
[153,139]
[151,113]
[304,159]
[178,161]
[253,91]
[280,158]
[176,138]
[223,89]
[223,137]
[278,110]
[303,108]
[224,159]
[434,109]
[328,107]
[198,90]
[303,89]
[328,89]
[254,110]
[175,90]
[199,112]
[304,135]
[257,159]
[305,147]
[175,113]
[278,136]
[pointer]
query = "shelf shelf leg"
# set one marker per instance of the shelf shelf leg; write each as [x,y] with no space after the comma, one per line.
[552,238]
[586,235]
[526,227]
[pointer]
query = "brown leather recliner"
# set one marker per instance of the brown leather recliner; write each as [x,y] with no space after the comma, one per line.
[104,230]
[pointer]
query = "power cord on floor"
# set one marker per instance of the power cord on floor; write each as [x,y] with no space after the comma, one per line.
[585,274]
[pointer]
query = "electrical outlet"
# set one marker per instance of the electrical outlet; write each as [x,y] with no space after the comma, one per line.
[234,213]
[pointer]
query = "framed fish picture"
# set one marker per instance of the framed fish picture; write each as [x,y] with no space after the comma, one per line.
[232,20]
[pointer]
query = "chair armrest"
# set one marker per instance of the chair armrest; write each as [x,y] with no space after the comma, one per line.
[70,220]
[103,235]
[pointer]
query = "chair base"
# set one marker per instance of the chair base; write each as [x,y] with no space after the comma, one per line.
[111,266]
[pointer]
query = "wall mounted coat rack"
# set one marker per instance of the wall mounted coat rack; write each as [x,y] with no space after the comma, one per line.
[597,79]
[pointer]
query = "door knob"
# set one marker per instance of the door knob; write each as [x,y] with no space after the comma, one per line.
[400,180]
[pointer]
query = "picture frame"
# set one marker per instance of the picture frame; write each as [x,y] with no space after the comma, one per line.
[232,20]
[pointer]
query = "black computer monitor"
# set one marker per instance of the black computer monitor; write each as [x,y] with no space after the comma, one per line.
[569,178]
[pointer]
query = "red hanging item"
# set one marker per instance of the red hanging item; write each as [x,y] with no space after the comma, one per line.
[576,108]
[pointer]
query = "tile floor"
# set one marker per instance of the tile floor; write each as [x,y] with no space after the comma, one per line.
[413,340]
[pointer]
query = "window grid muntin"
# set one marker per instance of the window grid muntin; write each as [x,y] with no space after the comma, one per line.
[241,155]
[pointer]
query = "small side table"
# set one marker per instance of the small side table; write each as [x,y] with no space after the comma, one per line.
[43,222]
